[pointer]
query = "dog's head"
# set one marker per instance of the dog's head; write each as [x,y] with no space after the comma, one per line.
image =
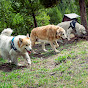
[25,44]
[81,31]
[61,33]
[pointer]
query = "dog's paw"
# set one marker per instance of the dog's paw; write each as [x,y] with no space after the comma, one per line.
[57,51]
[19,64]
[9,61]
[69,39]
[45,50]
[56,46]
[34,52]
[29,62]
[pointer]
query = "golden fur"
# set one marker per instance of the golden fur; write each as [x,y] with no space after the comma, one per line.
[50,33]
[25,42]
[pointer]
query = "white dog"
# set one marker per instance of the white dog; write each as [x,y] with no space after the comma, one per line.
[13,47]
[72,26]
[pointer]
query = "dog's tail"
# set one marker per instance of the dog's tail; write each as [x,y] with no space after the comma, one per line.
[7,32]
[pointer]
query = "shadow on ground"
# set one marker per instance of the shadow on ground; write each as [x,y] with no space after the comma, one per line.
[7,67]
[50,52]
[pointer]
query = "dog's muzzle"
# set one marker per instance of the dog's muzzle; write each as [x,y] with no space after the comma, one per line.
[29,51]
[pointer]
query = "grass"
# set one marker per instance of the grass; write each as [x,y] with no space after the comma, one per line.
[67,69]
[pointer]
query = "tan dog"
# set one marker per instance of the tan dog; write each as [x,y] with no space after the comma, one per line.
[50,33]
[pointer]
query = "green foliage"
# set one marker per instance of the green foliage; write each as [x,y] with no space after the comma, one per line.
[22,15]
[55,15]
[42,18]
[5,14]
[60,59]
[18,15]
[64,7]
[24,10]
[17,19]
[2,60]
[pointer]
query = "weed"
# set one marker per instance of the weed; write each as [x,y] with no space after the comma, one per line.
[60,59]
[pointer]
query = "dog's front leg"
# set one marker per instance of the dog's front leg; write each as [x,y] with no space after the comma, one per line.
[13,57]
[56,44]
[68,33]
[33,40]
[53,47]
[32,45]
[27,57]
[9,60]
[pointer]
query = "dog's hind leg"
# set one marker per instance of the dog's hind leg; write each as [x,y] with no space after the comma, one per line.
[33,40]
[43,46]
[9,60]
[53,47]
[13,57]
[33,43]
[14,60]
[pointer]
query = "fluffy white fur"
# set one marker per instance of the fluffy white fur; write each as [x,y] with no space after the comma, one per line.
[9,53]
[7,32]
[80,29]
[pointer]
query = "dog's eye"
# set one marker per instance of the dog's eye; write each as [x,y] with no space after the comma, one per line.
[26,45]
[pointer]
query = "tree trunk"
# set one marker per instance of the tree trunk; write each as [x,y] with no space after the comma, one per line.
[35,23]
[83,13]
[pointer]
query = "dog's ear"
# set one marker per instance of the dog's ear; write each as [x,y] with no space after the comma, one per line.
[27,35]
[20,40]
[58,33]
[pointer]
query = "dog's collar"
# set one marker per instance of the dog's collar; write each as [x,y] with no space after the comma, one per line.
[13,45]
[72,25]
